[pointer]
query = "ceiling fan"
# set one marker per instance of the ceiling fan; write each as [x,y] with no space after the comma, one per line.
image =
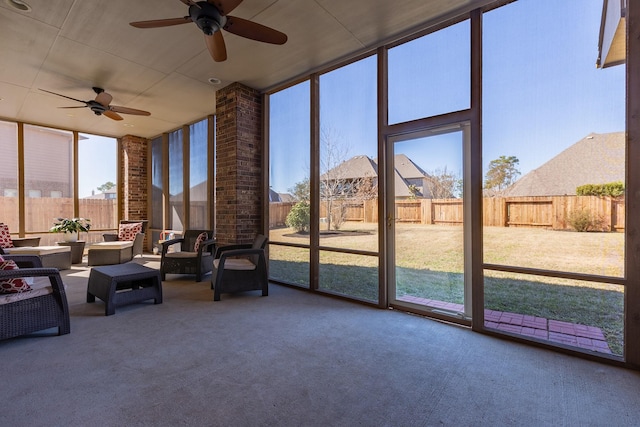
[101,105]
[212,16]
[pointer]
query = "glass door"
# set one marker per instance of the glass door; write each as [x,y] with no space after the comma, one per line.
[426,217]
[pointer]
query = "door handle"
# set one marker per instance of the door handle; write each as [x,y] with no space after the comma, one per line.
[390,220]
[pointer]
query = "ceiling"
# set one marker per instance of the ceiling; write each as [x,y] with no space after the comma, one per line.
[69,46]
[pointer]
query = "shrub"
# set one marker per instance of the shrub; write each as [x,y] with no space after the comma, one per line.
[582,220]
[612,189]
[299,217]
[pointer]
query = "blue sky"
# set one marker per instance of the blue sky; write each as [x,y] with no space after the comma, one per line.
[96,162]
[542,91]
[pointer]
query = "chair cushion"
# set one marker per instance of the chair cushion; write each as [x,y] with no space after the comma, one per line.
[5,236]
[128,232]
[41,286]
[110,246]
[201,238]
[236,264]
[38,250]
[12,286]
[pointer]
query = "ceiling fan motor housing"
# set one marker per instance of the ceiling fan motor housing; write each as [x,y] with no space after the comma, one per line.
[207,17]
[97,108]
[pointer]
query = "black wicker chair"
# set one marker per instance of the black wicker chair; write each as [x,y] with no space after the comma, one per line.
[188,261]
[32,314]
[240,268]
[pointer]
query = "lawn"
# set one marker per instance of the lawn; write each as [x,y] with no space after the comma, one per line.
[429,265]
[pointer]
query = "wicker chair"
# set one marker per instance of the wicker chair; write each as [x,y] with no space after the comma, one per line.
[187,260]
[34,313]
[240,268]
[138,243]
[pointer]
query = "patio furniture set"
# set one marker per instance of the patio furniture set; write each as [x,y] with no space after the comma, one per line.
[39,301]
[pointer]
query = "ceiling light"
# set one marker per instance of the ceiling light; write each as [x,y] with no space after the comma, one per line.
[214,80]
[19,4]
[128,125]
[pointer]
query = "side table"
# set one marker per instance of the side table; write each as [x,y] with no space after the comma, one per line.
[77,250]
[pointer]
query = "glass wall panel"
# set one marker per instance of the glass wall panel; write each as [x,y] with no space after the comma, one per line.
[348,156]
[351,275]
[48,166]
[554,168]
[97,178]
[289,264]
[9,175]
[289,191]
[198,169]
[552,122]
[349,179]
[157,187]
[430,75]
[176,181]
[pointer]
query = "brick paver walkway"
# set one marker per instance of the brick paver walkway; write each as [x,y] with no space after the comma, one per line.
[573,334]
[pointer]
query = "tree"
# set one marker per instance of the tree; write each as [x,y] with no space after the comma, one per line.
[106,186]
[443,184]
[502,172]
[301,190]
[334,184]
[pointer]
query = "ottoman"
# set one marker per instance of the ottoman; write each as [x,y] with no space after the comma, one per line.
[123,284]
[107,253]
[51,256]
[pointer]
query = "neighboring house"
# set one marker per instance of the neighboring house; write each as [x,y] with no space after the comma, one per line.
[52,180]
[286,197]
[110,194]
[406,173]
[595,159]
[280,197]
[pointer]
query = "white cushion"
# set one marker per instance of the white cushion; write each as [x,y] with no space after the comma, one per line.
[111,245]
[39,286]
[38,250]
[236,264]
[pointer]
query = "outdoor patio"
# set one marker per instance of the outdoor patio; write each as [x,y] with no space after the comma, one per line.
[572,334]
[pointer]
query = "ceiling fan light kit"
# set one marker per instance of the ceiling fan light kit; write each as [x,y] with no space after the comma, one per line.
[207,17]
[212,17]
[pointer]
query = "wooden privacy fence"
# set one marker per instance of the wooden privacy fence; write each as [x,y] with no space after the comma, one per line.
[539,212]
[40,213]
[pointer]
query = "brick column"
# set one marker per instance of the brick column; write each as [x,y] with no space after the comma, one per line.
[133,157]
[238,164]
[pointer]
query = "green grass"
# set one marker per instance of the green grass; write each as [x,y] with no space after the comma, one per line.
[429,265]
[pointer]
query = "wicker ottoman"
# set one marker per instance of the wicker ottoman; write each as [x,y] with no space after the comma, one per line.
[51,256]
[108,253]
[123,284]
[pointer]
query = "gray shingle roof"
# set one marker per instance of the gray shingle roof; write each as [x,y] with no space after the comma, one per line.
[595,159]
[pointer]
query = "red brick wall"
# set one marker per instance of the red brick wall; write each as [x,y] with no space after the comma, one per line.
[134,177]
[238,160]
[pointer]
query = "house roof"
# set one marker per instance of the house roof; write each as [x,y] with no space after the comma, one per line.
[595,159]
[363,167]
[407,168]
[353,168]
[68,47]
